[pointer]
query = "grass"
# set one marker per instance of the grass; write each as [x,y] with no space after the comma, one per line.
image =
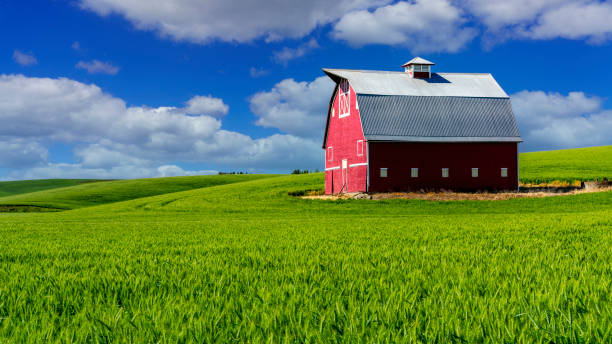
[247,262]
[91,194]
[27,186]
[581,164]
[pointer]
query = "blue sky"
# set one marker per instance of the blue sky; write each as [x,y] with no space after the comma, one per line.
[143,88]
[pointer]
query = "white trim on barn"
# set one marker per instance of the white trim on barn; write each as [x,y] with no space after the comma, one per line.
[332,168]
[359,164]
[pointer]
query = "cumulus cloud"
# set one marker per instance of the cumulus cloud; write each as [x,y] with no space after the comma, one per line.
[201,21]
[576,21]
[423,26]
[174,171]
[113,140]
[286,54]
[98,67]
[554,121]
[544,19]
[297,108]
[24,59]
[18,152]
[207,105]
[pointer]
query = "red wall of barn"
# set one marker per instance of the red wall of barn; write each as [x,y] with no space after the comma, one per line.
[430,158]
[342,136]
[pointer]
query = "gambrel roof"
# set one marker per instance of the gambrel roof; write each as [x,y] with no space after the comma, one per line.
[448,107]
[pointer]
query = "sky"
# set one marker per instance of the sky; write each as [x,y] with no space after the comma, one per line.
[150,88]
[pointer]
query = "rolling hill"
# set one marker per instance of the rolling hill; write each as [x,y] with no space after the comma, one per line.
[566,165]
[27,186]
[91,194]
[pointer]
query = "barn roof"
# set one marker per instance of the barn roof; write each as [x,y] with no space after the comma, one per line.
[437,119]
[448,107]
[402,84]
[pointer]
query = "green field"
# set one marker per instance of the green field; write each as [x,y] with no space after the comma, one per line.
[246,262]
[566,165]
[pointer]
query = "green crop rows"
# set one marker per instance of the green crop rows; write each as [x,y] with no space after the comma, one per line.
[246,262]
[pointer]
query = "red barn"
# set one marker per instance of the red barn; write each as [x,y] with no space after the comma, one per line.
[413,130]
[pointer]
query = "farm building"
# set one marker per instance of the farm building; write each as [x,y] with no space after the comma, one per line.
[414,129]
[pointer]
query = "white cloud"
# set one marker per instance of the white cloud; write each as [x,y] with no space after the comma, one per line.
[576,21]
[18,152]
[555,121]
[207,105]
[423,26]
[98,67]
[286,54]
[78,171]
[297,108]
[173,171]
[544,19]
[113,140]
[24,59]
[496,14]
[201,21]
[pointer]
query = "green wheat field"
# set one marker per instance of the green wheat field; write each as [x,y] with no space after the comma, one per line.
[235,258]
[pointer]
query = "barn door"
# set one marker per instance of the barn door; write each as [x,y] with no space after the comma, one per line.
[344,176]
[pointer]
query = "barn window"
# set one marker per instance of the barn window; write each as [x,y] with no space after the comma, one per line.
[344,100]
[414,172]
[445,173]
[383,173]
[421,68]
[330,153]
[504,172]
[359,147]
[475,172]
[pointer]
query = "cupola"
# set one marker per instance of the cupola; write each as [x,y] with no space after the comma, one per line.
[418,68]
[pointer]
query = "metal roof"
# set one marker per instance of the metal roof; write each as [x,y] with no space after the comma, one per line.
[418,60]
[437,119]
[402,84]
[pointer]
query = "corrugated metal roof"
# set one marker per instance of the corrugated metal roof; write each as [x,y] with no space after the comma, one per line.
[437,119]
[401,83]
[418,60]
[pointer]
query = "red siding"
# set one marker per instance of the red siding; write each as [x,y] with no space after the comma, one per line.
[430,158]
[342,135]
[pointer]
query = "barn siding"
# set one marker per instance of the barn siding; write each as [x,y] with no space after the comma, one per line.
[430,158]
[342,135]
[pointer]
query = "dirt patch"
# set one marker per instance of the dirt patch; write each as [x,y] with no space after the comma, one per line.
[525,192]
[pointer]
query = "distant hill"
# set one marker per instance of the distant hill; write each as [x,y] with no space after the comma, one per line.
[90,194]
[26,186]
